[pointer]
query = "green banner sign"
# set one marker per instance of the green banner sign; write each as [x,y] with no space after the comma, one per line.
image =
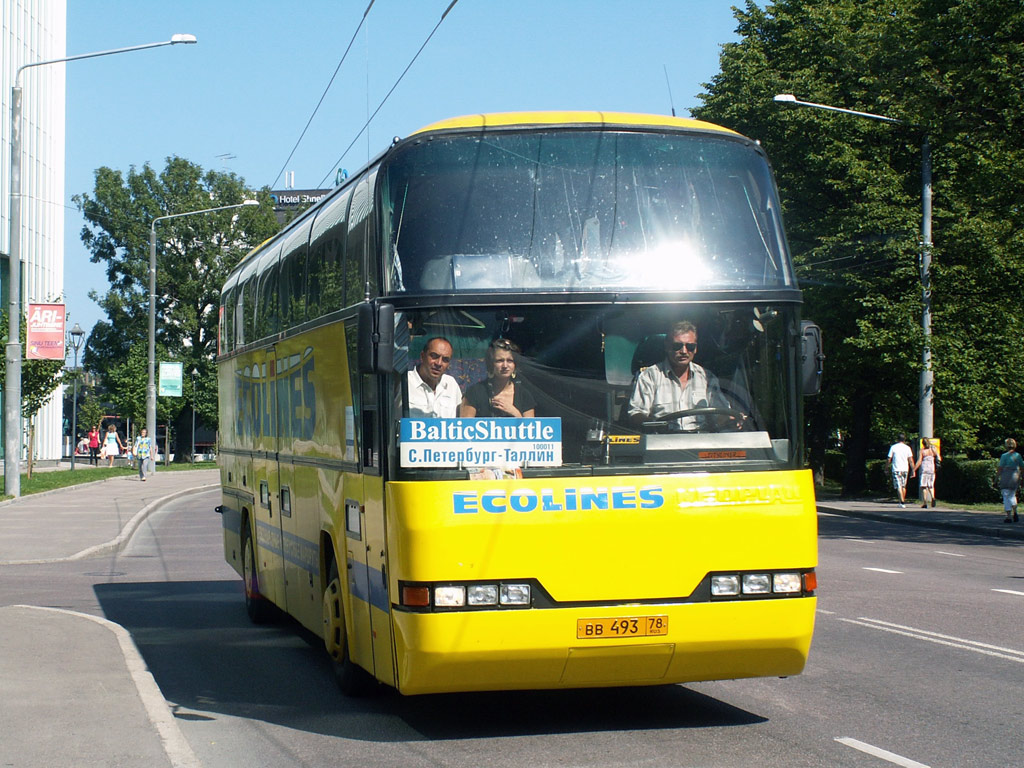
[170,380]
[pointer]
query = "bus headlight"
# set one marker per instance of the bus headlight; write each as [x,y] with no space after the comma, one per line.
[450,597]
[763,585]
[728,584]
[787,583]
[757,583]
[482,594]
[515,594]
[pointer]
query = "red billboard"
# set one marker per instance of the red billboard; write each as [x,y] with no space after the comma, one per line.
[44,333]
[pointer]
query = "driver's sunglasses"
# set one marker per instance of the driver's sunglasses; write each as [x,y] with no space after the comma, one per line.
[691,346]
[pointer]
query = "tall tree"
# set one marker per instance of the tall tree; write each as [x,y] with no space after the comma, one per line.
[194,256]
[852,192]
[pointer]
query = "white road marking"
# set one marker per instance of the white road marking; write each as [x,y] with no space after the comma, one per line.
[884,754]
[882,570]
[1000,652]
[826,613]
[951,554]
[1009,592]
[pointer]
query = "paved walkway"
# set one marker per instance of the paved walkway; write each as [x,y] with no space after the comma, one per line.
[74,689]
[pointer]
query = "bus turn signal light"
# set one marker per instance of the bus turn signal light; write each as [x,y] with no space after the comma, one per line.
[416,597]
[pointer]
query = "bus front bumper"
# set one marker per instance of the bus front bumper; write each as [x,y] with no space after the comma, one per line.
[538,649]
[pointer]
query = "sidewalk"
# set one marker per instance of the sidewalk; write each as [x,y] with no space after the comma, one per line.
[74,689]
[84,520]
[939,517]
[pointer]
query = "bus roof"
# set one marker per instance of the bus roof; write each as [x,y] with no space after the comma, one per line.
[505,119]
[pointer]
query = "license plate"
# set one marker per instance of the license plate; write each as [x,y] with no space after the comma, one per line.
[623,626]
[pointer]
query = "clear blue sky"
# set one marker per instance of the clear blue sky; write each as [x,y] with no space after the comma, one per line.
[249,86]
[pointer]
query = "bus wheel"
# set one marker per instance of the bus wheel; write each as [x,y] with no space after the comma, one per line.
[256,605]
[352,679]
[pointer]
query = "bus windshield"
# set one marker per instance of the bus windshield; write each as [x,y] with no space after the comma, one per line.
[581,210]
[578,368]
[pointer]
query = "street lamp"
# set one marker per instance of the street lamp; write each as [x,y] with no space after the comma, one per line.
[77,337]
[926,394]
[12,384]
[194,374]
[151,383]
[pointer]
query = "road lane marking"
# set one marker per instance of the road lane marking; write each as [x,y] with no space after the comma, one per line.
[1000,652]
[951,554]
[884,754]
[826,613]
[1009,592]
[882,570]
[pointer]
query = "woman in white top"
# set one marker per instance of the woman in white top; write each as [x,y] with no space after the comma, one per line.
[112,445]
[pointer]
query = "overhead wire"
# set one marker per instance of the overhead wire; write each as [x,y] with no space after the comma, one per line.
[388,94]
[324,94]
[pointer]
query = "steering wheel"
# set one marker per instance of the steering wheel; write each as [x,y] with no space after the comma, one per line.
[663,423]
[706,411]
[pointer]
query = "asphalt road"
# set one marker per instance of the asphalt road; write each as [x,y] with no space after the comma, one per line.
[918,659]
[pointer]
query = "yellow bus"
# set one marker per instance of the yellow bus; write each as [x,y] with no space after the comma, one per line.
[583,541]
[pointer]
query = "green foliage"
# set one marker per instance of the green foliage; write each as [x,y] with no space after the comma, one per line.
[851,189]
[90,411]
[194,256]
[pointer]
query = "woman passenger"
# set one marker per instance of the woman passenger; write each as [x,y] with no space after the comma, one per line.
[500,395]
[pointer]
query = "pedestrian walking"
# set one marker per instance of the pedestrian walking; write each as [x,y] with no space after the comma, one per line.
[927,462]
[901,464]
[143,449]
[1010,465]
[94,445]
[112,445]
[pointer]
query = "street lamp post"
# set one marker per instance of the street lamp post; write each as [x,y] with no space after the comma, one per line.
[12,383]
[195,373]
[926,393]
[151,382]
[77,337]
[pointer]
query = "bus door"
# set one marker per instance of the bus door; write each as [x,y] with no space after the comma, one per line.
[374,530]
[365,537]
[269,545]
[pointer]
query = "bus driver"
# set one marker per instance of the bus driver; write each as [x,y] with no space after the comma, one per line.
[676,383]
[433,394]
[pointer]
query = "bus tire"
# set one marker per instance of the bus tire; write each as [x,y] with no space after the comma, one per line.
[352,679]
[256,605]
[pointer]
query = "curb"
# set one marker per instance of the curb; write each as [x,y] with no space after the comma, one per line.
[126,533]
[946,525]
[175,745]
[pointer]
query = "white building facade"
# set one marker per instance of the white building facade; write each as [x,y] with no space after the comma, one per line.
[36,30]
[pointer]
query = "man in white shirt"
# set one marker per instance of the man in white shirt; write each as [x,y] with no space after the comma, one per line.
[901,462]
[676,383]
[433,394]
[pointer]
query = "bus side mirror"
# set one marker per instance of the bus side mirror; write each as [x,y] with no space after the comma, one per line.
[375,343]
[812,358]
